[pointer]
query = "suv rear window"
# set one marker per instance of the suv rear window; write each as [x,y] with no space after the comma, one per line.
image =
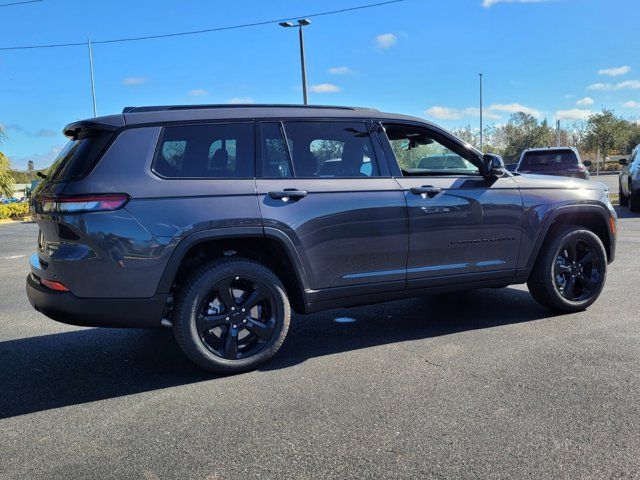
[78,156]
[224,150]
[548,158]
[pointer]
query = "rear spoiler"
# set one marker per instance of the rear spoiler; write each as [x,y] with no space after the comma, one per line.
[85,128]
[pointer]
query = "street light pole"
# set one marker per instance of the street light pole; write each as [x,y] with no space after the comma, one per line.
[481,132]
[301,23]
[93,86]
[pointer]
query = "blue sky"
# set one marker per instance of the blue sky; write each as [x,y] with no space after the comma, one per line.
[421,57]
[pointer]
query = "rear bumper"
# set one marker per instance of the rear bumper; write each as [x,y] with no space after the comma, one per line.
[96,312]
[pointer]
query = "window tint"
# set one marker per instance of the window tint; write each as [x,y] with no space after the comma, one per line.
[418,154]
[78,156]
[331,149]
[549,158]
[275,159]
[206,151]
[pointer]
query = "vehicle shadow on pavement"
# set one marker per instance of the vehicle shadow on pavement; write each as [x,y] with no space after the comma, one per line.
[405,320]
[624,212]
[63,369]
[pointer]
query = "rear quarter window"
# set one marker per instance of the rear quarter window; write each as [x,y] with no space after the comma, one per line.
[224,150]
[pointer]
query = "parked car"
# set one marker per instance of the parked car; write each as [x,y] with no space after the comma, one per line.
[629,181]
[562,161]
[218,221]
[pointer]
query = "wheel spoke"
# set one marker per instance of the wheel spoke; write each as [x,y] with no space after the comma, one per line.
[231,344]
[226,296]
[571,250]
[562,268]
[586,258]
[568,288]
[207,322]
[587,282]
[262,330]
[256,296]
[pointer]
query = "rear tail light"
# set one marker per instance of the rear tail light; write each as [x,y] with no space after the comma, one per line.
[81,203]
[57,286]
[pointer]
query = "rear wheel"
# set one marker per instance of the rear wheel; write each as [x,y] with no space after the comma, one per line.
[570,270]
[231,316]
[622,198]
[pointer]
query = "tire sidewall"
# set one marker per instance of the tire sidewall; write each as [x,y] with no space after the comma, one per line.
[199,287]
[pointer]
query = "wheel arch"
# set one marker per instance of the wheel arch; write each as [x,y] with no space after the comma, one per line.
[593,217]
[272,248]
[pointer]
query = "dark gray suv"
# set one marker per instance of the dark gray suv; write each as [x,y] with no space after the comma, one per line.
[219,220]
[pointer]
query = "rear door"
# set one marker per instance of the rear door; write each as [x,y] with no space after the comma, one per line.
[327,187]
[462,226]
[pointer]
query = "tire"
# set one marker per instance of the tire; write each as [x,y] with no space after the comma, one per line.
[556,282]
[257,334]
[634,200]
[624,200]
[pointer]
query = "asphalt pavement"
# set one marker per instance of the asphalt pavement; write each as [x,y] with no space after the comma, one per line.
[484,384]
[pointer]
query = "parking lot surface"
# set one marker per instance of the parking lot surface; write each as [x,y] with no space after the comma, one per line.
[484,384]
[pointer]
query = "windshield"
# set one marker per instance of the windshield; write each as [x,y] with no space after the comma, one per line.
[549,158]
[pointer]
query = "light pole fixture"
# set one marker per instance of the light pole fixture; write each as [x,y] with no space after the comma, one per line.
[303,22]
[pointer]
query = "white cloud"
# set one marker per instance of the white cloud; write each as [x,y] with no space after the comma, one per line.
[490,3]
[241,100]
[583,102]
[386,40]
[514,108]
[631,104]
[198,92]
[325,88]
[446,113]
[340,71]
[132,81]
[443,113]
[627,84]
[615,71]
[573,114]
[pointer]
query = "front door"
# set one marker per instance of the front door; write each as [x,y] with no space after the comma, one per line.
[462,226]
[327,187]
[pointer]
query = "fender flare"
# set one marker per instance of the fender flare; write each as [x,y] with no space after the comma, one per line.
[181,249]
[556,212]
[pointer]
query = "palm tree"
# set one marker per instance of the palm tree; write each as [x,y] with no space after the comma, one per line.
[6,179]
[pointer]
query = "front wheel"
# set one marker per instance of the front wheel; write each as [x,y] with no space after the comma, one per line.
[634,199]
[570,270]
[231,316]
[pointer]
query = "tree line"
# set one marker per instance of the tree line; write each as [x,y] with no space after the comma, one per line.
[602,133]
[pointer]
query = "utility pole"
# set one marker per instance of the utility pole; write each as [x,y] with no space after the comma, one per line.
[93,86]
[303,22]
[557,132]
[481,132]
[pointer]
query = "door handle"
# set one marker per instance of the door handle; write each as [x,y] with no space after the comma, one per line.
[288,194]
[428,190]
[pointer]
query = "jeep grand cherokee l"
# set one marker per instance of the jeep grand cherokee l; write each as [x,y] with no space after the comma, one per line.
[219,221]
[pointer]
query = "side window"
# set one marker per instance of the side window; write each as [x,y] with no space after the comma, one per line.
[420,153]
[275,158]
[206,151]
[331,149]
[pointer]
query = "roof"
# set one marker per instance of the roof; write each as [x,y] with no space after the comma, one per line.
[193,113]
[141,115]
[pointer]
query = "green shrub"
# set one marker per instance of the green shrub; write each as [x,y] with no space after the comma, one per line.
[14,211]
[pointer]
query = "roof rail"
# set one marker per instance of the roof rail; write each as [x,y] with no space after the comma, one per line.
[160,108]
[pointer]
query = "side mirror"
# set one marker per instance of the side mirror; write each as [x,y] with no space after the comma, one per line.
[587,163]
[493,165]
[623,161]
